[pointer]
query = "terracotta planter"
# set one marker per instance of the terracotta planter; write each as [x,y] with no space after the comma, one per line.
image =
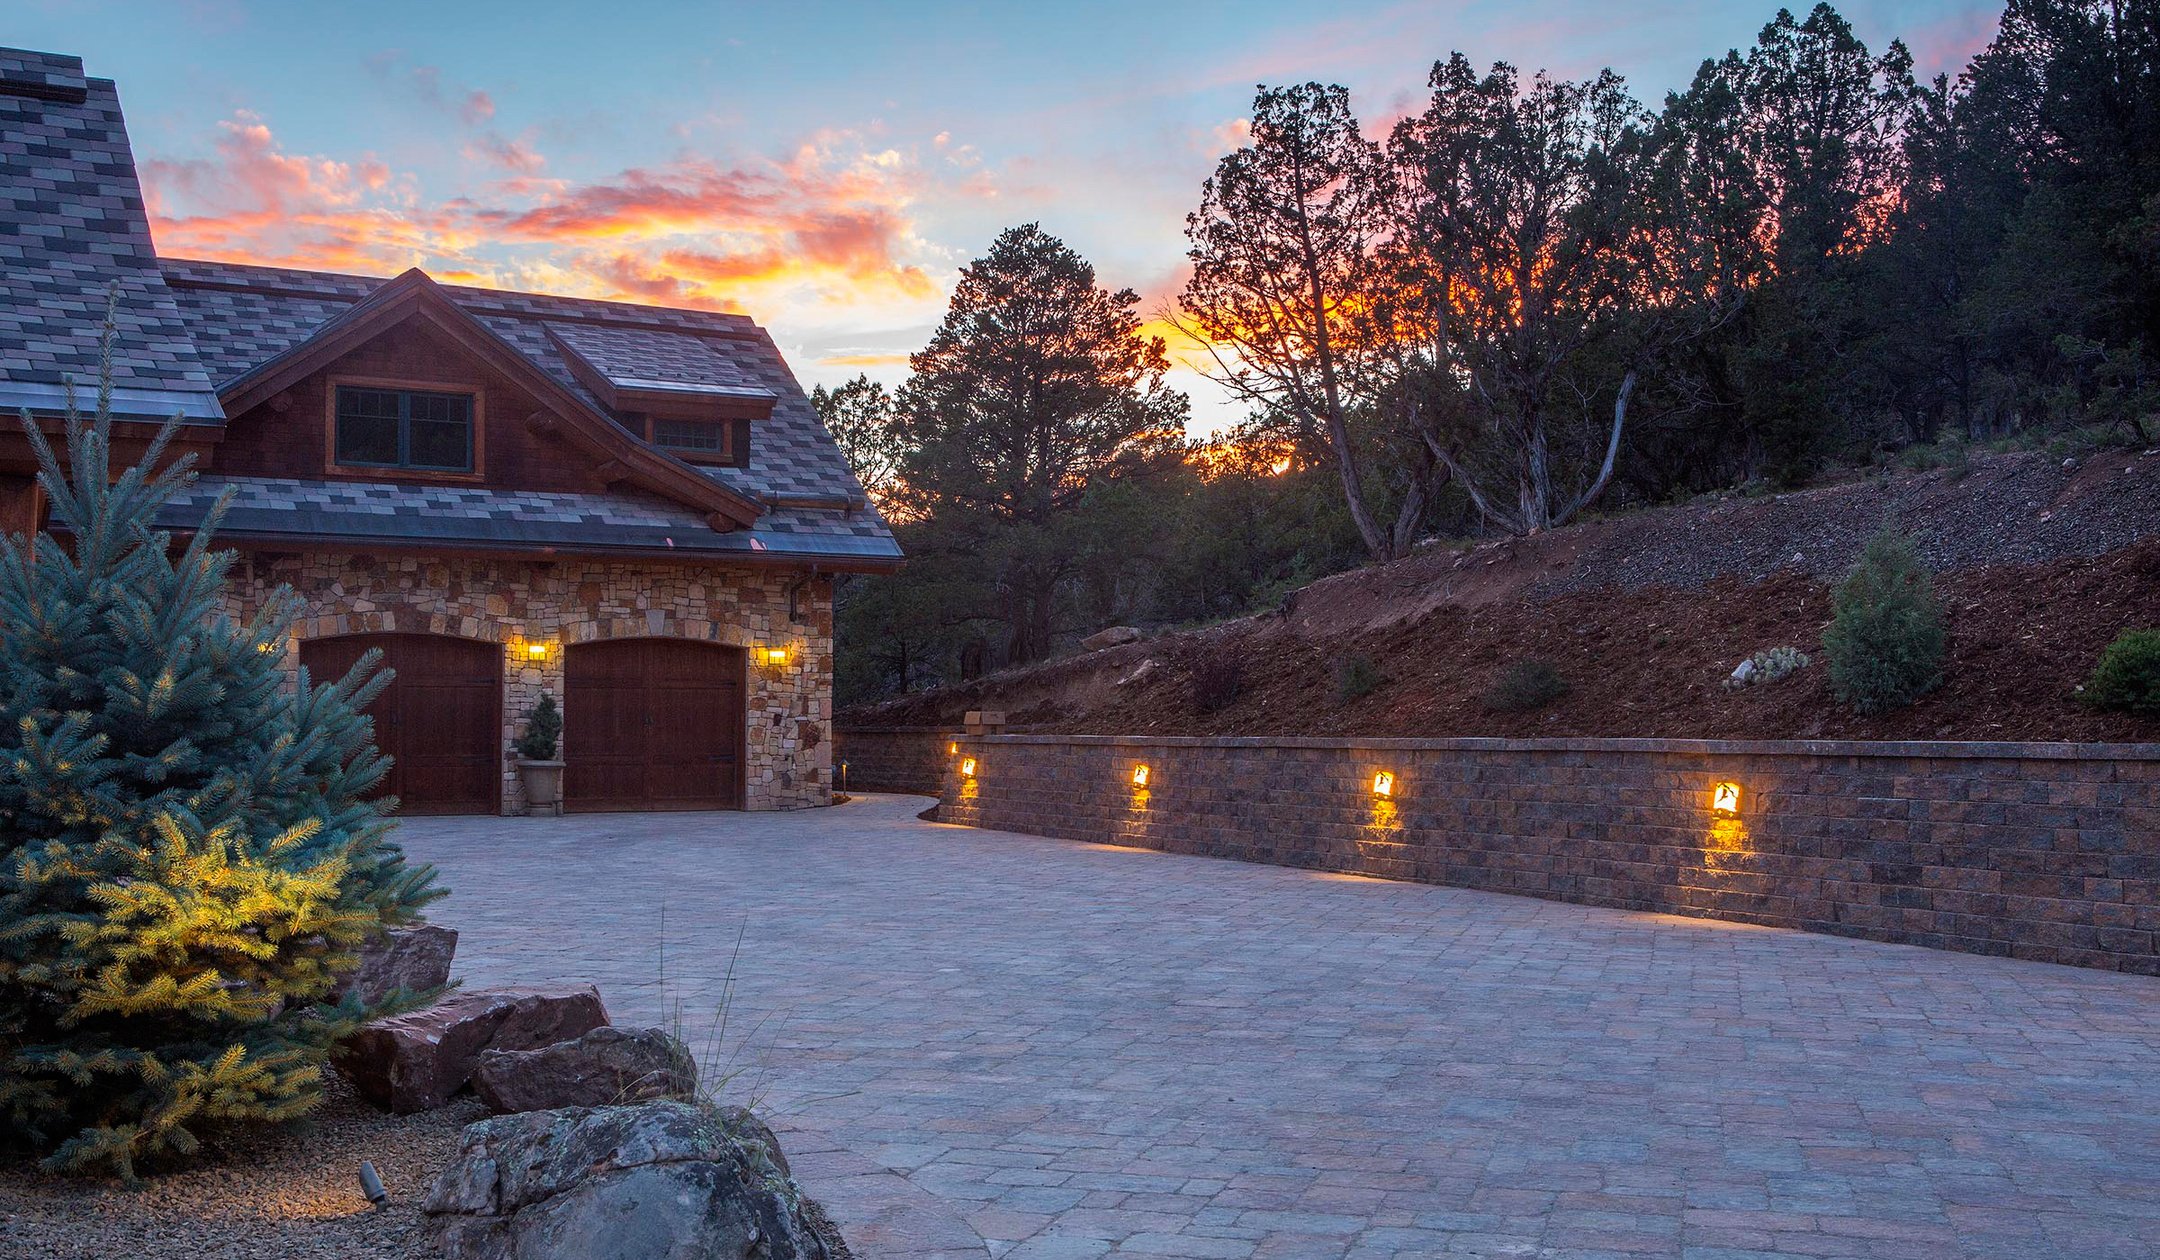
[543,786]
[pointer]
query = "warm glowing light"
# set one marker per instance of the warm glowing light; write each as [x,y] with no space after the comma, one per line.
[536,651]
[1139,775]
[1725,799]
[1280,466]
[1383,784]
[953,749]
[967,768]
[776,656]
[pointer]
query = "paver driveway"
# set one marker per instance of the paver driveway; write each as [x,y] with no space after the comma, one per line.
[1085,1051]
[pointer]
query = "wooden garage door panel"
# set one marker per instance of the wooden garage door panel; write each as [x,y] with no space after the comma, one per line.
[652,724]
[439,720]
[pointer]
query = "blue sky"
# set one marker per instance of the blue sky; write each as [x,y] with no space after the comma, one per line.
[826,168]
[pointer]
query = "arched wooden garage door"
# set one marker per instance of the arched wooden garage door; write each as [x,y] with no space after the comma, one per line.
[652,724]
[440,719]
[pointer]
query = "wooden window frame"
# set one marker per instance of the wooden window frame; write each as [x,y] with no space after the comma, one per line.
[733,430]
[401,472]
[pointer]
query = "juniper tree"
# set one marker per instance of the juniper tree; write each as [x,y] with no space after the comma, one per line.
[188,857]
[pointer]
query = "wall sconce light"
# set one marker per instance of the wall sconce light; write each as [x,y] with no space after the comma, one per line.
[953,749]
[1725,800]
[967,768]
[775,656]
[536,651]
[1140,775]
[1383,783]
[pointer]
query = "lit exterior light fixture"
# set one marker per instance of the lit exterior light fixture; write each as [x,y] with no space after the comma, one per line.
[953,749]
[1725,800]
[536,651]
[1383,783]
[1139,775]
[776,656]
[967,768]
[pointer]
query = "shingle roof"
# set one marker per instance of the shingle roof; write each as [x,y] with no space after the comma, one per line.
[246,314]
[653,358]
[73,236]
[629,521]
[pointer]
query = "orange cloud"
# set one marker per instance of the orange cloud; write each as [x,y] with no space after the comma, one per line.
[826,225]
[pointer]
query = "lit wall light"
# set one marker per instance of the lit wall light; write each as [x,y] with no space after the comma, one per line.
[953,749]
[536,651]
[776,656]
[1139,775]
[1725,800]
[1383,783]
[967,768]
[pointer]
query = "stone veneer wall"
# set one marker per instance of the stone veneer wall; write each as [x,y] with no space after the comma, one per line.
[2037,851]
[565,602]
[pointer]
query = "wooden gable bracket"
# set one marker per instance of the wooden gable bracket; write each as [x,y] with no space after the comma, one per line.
[566,415]
[612,473]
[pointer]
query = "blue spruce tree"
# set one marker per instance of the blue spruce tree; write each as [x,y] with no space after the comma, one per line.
[188,857]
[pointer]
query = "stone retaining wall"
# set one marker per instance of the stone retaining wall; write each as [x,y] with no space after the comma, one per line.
[893,758]
[2038,851]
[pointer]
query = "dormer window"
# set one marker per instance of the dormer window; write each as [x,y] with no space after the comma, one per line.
[418,430]
[692,437]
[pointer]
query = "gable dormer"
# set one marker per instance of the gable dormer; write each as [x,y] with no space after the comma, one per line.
[676,390]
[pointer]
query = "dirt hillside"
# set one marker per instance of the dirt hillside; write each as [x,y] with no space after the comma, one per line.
[2038,563]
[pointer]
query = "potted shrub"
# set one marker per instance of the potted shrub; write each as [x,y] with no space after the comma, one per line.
[537,765]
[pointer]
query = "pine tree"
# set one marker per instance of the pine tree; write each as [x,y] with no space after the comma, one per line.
[188,858]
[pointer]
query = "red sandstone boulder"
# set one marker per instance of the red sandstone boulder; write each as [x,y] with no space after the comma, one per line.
[415,959]
[606,1067]
[416,1061]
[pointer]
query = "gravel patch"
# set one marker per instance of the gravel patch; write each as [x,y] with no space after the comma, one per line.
[289,1193]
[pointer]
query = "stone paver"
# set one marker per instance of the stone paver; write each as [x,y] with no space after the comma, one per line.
[1070,1050]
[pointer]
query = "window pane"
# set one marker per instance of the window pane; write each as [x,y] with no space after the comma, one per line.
[690,435]
[440,432]
[441,445]
[367,426]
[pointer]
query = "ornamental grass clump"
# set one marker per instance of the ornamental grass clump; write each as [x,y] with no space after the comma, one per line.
[1886,637]
[2127,679]
[188,858]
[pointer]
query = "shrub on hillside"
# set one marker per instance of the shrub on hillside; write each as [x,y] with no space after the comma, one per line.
[1216,682]
[2127,678]
[1356,676]
[1525,685]
[1886,637]
[188,861]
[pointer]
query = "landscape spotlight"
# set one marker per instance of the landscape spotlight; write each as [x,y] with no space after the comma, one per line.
[1383,783]
[1725,800]
[372,1186]
[1139,775]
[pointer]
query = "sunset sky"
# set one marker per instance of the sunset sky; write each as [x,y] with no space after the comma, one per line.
[826,168]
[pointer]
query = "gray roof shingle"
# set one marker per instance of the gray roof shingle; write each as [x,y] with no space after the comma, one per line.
[73,237]
[619,521]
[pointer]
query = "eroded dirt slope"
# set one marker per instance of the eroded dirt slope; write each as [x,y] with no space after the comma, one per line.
[2038,565]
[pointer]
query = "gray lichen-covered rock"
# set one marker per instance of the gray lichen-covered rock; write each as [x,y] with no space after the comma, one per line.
[416,1061]
[605,1067]
[653,1181]
[1113,636]
[415,959]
